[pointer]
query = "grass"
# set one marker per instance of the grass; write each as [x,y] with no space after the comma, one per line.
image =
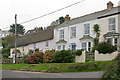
[15,66]
[62,67]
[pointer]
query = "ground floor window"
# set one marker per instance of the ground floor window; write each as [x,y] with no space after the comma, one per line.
[86,46]
[113,41]
[59,47]
[73,46]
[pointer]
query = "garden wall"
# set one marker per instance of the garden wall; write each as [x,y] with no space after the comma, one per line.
[105,57]
[80,58]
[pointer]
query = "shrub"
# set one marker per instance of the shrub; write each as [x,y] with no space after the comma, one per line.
[78,52]
[48,56]
[5,56]
[112,71]
[35,58]
[64,56]
[105,47]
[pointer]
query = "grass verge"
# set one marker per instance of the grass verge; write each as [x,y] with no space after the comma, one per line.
[62,67]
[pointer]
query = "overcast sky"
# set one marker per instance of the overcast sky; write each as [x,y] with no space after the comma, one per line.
[28,9]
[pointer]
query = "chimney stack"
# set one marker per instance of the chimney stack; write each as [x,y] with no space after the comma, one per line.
[67,18]
[110,5]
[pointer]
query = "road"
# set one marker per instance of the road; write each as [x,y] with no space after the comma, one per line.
[25,74]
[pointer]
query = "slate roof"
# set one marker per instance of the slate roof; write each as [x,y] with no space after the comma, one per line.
[89,17]
[34,37]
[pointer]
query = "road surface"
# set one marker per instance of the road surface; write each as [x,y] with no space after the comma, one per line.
[25,74]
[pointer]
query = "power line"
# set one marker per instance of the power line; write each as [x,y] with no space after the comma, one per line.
[52,12]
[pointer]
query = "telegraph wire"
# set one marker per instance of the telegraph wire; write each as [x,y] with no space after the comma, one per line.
[52,12]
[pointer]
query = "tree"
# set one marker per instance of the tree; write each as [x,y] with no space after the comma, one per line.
[6,42]
[96,39]
[97,30]
[20,29]
[62,20]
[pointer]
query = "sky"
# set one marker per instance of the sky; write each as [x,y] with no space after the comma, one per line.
[29,9]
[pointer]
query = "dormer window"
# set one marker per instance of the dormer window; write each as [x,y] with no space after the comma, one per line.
[112,24]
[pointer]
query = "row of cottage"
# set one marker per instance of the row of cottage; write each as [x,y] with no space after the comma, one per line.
[77,33]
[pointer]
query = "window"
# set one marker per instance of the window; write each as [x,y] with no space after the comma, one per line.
[62,34]
[73,47]
[63,47]
[34,46]
[47,44]
[73,32]
[112,24]
[84,46]
[87,29]
[110,40]
[23,49]
[59,47]
[116,42]
[89,46]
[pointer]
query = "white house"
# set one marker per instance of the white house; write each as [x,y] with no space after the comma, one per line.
[78,33]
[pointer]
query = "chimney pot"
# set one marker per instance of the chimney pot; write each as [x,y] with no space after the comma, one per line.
[110,5]
[67,17]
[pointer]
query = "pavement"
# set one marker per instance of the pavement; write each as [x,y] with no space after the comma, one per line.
[26,74]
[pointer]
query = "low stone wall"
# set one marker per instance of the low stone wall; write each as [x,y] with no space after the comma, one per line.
[80,58]
[105,57]
[10,61]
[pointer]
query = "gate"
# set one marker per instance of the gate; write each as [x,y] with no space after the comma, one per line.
[90,57]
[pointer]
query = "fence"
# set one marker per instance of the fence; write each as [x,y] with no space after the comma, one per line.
[10,61]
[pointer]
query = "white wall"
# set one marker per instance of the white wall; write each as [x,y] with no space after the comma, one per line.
[105,57]
[79,34]
[80,58]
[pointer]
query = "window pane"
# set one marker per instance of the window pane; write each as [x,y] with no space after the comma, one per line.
[59,47]
[73,32]
[63,47]
[112,24]
[84,45]
[61,34]
[73,47]
[87,29]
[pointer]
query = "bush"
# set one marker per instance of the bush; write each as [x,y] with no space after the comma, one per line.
[78,52]
[48,56]
[64,56]
[105,47]
[5,56]
[112,71]
[35,58]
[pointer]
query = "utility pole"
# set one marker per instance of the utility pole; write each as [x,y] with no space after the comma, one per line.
[15,38]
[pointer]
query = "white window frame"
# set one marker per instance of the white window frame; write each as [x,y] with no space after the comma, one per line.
[63,47]
[73,32]
[59,47]
[112,26]
[87,29]
[73,44]
[84,47]
[61,34]
[34,45]
[47,44]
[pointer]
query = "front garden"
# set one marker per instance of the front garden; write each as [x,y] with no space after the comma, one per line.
[60,67]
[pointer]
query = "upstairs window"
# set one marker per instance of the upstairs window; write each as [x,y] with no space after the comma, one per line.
[112,24]
[87,29]
[62,34]
[73,32]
